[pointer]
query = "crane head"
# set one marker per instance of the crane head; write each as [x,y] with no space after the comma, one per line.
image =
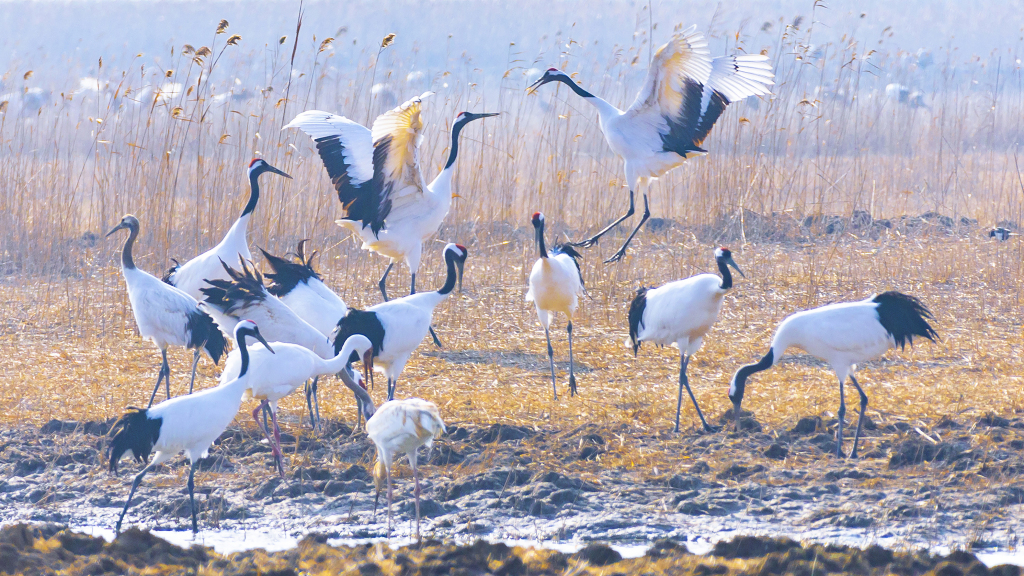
[465,117]
[724,257]
[537,219]
[258,166]
[127,222]
[550,75]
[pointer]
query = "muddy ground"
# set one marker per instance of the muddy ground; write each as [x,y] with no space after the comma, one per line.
[958,484]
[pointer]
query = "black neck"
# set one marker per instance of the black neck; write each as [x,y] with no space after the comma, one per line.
[726,274]
[456,128]
[740,379]
[254,192]
[244,352]
[126,253]
[575,87]
[449,282]
[540,241]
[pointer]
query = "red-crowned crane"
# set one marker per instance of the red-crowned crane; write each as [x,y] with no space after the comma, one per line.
[556,283]
[396,328]
[300,287]
[274,375]
[166,315]
[186,424]
[243,296]
[681,313]
[684,94]
[844,335]
[191,276]
[377,175]
[402,426]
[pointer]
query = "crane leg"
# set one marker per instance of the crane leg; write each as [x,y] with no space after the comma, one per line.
[412,285]
[263,428]
[551,362]
[359,417]
[195,364]
[593,239]
[392,385]
[434,336]
[389,501]
[277,440]
[572,374]
[135,485]
[842,419]
[416,491]
[309,404]
[860,419]
[165,372]
[684,381]
[384,280]
[622,251]
[192,496]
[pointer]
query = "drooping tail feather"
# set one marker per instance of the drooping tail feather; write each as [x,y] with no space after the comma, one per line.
[636,316]
[133,432]
[204,332]
[903,317]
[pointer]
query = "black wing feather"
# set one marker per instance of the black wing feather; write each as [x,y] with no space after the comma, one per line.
[244,288]
[361,201]
[287,275]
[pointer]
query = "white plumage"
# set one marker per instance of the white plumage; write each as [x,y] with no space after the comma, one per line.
[843,335]
[402,426]
[555,286]
[190,277]
[276,374]
[681,313]
[165,314]
[684,94]
[186,424]
[397,328]
[300,287]
[389,206]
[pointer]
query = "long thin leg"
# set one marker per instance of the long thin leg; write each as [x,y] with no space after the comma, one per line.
[359,417]
[593,239]
[416,491]
[383,281]
[266,432]
[392,386]
[195,364]
[167,374]
[684,380]
[316,402]
[551,361]
[434,336]
[842,418]
[192,496]
[266,421]
[309,404]
[860,419]
[622,251]
[389,501]
[572,375]
[277,439]
[135,485]
[412,287]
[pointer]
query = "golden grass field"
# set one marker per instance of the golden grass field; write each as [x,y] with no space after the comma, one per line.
[70,349]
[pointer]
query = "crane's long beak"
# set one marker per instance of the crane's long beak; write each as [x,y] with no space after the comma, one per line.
[264,342]
[120,226]
[459,266]
[368,367]
[276,171]
[732,263]
[488,114]
[540,82]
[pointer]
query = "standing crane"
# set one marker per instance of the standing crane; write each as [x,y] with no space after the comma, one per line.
[397,328]
[276,374]
[681,313]
[844,335]
[186,424]
[166,315]
[402,426]
[190,277]
[377,175]
[684,94]
[555,285]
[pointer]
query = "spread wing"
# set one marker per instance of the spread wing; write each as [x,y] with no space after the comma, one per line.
[396,139]
[733,78]
[669,102]
[346,149]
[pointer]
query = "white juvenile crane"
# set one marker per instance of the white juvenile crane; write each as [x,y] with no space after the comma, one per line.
[684,94]
[300,287]
[396,328]
[402,426]
[377,175]
[843,335]
[276,374]
[186,424]
[681,313]
[243,296]
[191,276]
[166,315]
[555,285]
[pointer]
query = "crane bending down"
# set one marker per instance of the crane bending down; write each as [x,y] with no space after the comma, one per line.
[191,276]
[684,94]
[402,426]
[186,424]
[397,328]
[681,313]
[555,285]
[377,175]
[843,335]
[166,315]
[276,374]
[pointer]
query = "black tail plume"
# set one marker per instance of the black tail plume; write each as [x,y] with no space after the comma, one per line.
[245,287]
[287,275]
[133,432]
[904,317]
[203,332]
[359,322]
[170,272]
[636,316]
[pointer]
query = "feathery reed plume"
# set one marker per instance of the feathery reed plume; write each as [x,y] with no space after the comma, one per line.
[222,27]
